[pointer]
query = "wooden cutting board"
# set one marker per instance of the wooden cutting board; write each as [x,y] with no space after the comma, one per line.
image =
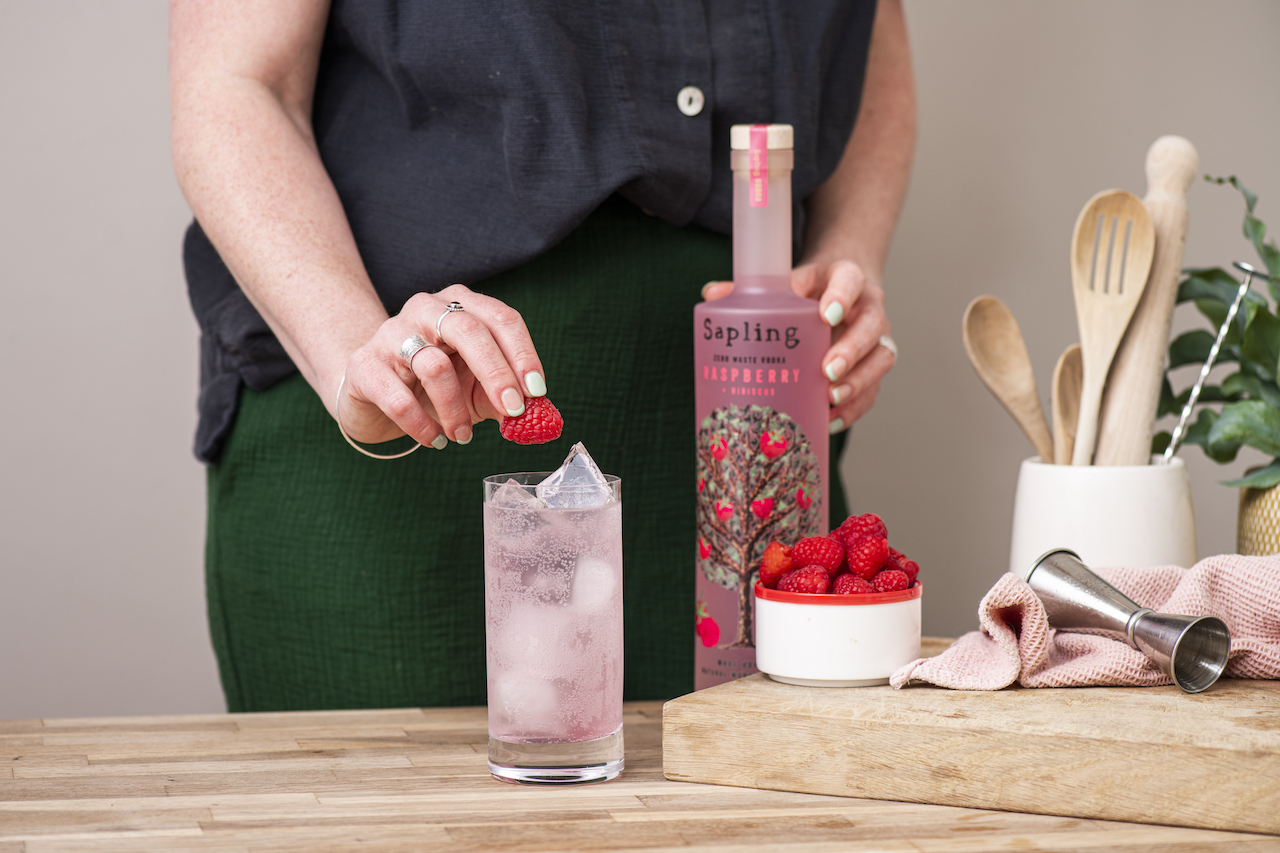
[1149,755]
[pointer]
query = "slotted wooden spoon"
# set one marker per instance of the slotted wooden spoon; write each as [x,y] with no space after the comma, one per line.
[1065,403]
[1110,258]
[999,356]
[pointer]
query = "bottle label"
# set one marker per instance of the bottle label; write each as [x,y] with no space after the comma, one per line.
[758,183]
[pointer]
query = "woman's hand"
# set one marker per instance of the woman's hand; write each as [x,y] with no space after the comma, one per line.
[852,303]
[481,366]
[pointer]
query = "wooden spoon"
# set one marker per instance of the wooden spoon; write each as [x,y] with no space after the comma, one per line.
[999,355]
[1065,403]
[1110,258]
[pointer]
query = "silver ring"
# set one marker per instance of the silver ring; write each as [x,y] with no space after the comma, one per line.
[887,343]
[412,345]
[448,309]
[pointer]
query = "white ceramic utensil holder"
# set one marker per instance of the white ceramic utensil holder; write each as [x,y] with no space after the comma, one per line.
[1111,515]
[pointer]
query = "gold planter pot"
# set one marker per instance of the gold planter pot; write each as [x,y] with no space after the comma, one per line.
[1258,525]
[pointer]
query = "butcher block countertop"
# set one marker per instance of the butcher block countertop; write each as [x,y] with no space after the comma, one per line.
[417,780]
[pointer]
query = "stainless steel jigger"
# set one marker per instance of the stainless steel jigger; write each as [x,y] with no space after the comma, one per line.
[1192,650]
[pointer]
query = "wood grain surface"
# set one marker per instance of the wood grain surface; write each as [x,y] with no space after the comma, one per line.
[1151,755]
[409,780]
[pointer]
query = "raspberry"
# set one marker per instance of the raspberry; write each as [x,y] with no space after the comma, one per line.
[848,584]
[890,580]
[856,527]
[810,579]
[819,551]
[895,558]
[867,556]
[775,563]
[540,423]
[898,560]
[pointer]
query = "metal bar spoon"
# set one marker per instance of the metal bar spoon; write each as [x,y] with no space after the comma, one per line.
[1179,431]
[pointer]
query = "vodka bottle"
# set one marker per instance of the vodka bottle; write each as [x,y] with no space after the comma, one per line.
[762,414]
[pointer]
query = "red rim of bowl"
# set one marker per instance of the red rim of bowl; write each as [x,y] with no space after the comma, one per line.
[842,600]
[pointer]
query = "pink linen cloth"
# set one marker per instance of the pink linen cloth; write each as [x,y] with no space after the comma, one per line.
[1015,642]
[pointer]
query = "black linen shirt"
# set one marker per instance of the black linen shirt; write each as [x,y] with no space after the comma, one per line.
[467,138]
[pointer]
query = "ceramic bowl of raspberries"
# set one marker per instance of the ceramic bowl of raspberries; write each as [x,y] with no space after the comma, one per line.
[841,610]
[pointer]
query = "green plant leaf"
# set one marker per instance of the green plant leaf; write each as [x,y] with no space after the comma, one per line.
[1216,313]
[1262,344]
[1159,442]
[1250,199]
[1264,478]
[1250,422]
[1190,348]
[1238,384]
[1199,433]
[1168,401]
[1213,283]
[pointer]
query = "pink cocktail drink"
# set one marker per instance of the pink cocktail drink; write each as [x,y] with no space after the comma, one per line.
[553,627]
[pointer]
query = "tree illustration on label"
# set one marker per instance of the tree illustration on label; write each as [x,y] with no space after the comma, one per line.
[756,458]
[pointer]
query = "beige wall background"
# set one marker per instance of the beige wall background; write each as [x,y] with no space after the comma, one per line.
[1026,110]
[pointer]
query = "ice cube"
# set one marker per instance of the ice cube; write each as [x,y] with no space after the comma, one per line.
[577,484]
[525,705]
[594,584]
[511,495]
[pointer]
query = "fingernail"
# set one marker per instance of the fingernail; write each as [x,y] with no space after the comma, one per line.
[535,383]
[838,424]
[513,402]
[834,314]
[705,288]
[440,442]
[463,435]
[839,393]
[836,368]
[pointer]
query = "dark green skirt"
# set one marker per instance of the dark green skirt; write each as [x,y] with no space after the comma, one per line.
[339,581]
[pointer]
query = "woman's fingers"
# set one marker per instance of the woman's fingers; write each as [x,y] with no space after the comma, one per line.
[479,363]
[716,290]
[846,282]
[509,332]
[502,369]
[858,334]
[435,370]
[376,405]
[843,417]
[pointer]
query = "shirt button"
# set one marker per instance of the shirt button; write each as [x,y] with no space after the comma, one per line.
[690,100]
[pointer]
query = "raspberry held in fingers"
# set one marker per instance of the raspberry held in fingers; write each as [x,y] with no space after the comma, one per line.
[540,423]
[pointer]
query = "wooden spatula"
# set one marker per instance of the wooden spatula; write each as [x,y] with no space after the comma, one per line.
[1133,386]
[1110,258]
[1065,403]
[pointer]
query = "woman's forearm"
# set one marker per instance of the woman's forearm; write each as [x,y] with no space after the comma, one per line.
[246,160]
[852,216]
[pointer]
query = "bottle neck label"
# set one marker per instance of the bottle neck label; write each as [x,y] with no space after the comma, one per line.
[758,183]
